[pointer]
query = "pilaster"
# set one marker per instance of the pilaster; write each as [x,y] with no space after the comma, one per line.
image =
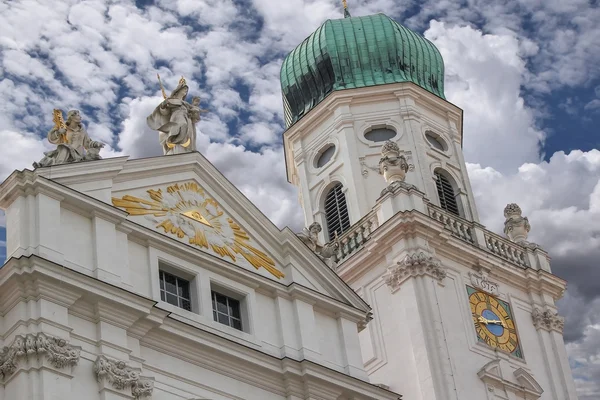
[420,274]
[48,227]
[351,345]
[307,330]
[107,265]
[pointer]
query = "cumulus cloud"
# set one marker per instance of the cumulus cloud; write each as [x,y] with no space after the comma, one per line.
[102,57]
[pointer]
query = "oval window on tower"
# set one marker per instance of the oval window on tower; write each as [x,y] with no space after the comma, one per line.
[380,134]
[436,141]
[324,156]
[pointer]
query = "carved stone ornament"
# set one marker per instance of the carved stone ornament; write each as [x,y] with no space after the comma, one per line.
[392,165]
[395,186]
[57,351]
[547,320]
[310,237]
[417,264]
[175,120]
[120,376]
[516,227]
[481,281]
[72,142]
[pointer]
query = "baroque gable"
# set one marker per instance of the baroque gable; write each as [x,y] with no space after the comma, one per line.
[182,198]
[187,212]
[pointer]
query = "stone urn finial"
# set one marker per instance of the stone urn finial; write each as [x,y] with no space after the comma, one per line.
[392,165]
[516,227]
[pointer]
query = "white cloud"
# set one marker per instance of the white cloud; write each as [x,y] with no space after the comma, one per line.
[104,57]
[484,74]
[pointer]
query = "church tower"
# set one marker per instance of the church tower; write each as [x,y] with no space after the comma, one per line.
[375,150]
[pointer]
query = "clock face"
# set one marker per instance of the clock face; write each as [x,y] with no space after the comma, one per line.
[187,212]
[493,322]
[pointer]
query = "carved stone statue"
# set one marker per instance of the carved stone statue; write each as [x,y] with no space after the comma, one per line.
[72,142]
[175,120]
[516,227]
[392,165]
[310,236]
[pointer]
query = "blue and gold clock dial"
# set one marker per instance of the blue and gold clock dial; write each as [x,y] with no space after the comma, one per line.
[493,322]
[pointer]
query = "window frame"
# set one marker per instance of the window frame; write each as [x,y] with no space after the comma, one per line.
[241,298]
[180,298]
[186,274]
[451,182]
[329,235]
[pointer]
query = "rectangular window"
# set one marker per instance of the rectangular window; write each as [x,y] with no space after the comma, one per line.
[226,310]
[175,290]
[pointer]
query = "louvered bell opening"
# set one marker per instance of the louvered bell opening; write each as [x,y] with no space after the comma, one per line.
[446,194]
[336,212]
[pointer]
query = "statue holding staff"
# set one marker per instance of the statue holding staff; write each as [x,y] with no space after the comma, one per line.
[72,142]
[175,120]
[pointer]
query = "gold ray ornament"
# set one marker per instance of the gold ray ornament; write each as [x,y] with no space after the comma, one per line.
[186,211]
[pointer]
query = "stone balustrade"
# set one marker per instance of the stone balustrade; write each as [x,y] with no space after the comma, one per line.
[506,249]
[459,227]
[353,239]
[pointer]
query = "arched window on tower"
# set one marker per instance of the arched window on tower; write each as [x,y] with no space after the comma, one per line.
[446,192]
[336,212]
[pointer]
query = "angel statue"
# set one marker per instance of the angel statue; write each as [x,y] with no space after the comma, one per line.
[175,120]
[310,237]
[72,142]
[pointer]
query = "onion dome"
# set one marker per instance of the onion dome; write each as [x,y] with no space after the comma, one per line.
[356,52]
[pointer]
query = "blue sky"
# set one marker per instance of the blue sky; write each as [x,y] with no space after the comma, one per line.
[525,72]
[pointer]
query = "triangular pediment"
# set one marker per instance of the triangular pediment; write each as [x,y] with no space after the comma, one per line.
[186,199]
[528,382]
[187,212]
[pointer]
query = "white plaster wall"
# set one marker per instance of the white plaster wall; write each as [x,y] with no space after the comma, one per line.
[329,340]
[397,319]
[267,328]
[139,268]
[76,239]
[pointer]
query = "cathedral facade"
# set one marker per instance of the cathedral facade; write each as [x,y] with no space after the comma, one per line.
[156,278]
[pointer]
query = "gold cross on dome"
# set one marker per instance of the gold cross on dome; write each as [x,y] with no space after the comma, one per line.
[345,3]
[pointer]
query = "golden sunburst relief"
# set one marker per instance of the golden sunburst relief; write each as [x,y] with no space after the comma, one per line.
[185,210]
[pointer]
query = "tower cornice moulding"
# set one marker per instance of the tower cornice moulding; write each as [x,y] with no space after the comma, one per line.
[413,265]
[57,351]
[547,320]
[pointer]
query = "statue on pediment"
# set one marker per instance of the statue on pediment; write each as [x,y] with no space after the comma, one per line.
[72,142]
[310,237]
[175,120]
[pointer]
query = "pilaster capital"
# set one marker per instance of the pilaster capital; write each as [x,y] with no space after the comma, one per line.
[416,264]
[57,351]
[120,376]
[548,320]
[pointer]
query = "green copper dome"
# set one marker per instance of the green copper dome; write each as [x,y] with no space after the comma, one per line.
[357,52]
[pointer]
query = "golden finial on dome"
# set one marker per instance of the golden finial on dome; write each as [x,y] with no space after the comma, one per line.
[346,12]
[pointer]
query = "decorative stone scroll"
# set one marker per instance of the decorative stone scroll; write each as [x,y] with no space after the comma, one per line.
[120,376]
[481,281]
[57,351]
[547,320]
[417,264]
[516,227]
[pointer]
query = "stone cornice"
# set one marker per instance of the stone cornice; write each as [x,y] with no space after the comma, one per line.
[415,264]
[167,334]
[547,320]
[57,351]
